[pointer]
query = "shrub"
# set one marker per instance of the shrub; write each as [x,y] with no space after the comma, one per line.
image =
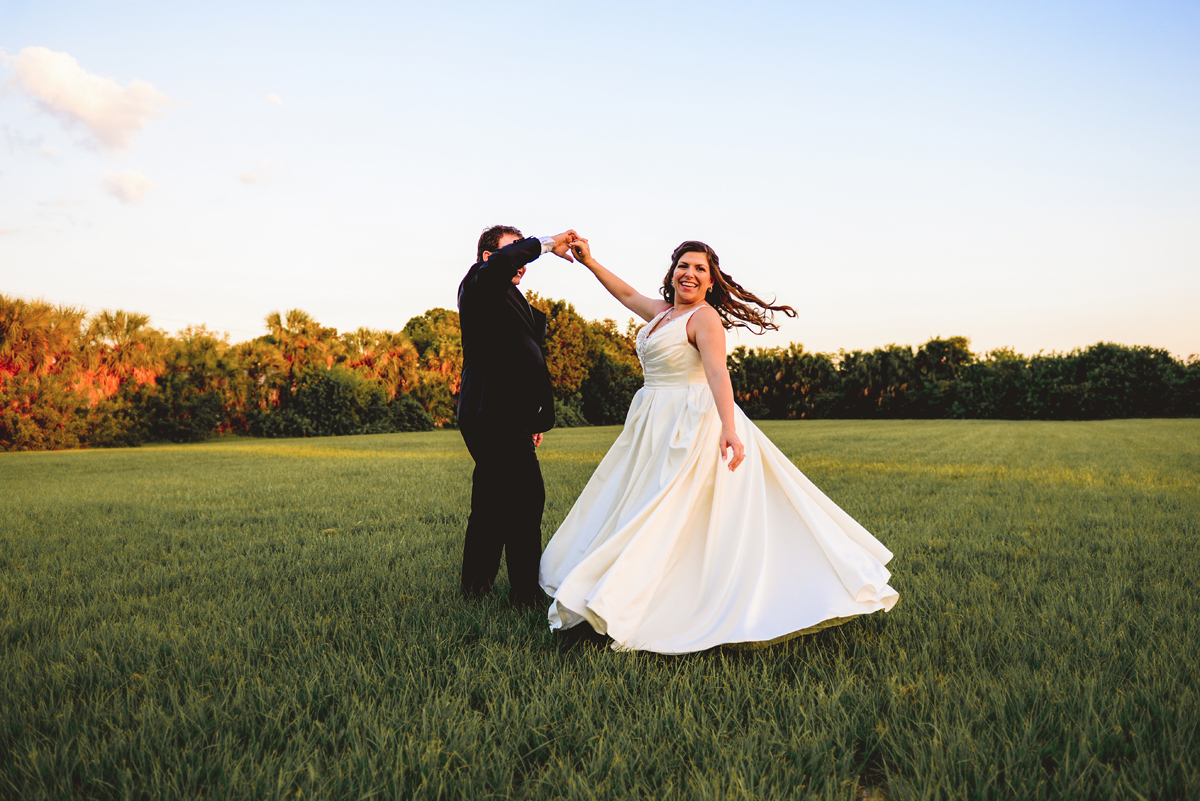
[1187,390]
[330,402]
[409,415]
[785,383]
[173,414]
[608,390]
[569,413]
[38,413]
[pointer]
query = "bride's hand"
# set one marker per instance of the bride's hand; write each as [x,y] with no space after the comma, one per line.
[730,440]
[582,250]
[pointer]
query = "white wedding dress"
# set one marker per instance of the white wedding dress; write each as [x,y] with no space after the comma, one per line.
[667,550]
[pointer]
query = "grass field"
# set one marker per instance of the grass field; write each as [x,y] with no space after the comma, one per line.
[261,619]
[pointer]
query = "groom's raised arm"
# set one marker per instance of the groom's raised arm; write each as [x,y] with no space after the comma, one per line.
[498,271]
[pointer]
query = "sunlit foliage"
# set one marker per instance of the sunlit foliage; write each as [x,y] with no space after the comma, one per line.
[68,380]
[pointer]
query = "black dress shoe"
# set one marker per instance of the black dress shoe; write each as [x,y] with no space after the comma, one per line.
[581,634]
[527,602]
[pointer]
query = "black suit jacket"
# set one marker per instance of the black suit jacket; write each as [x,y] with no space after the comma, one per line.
[504,379]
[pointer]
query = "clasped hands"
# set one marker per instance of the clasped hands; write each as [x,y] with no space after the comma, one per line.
[569,242]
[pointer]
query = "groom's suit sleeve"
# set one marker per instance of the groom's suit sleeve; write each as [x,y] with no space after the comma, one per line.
[496,274]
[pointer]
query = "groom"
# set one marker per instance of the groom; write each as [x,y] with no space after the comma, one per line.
[505,402]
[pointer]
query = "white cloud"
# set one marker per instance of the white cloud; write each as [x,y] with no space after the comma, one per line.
[128,186]
[260,173]
[274,98]
[65,90]
[48,150]
[16,141]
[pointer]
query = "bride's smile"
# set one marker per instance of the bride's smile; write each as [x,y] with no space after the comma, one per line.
[692,278]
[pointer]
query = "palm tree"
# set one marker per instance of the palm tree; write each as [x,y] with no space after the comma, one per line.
[445,357]
[38,337]
[386,357]
[124,347]
[260,364]
[402,370]
[303,342]
[41,351]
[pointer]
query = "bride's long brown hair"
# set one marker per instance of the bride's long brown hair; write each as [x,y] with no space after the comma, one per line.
[734,304]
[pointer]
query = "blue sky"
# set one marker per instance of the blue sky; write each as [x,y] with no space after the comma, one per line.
[1026,175]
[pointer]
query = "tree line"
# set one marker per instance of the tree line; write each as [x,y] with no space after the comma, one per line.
[944,379]
[69,379]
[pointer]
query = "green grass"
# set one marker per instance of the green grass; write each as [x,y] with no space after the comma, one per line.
[255,619]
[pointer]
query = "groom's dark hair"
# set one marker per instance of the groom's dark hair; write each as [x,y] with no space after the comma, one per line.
[489,240]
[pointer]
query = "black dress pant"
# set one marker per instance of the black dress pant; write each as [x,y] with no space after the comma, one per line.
[507,499]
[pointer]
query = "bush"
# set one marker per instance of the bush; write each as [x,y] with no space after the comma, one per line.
[785,383]
[38,413]
[1126,381]
[943,379]
[409,415]
[191,397]
[435,394]
[171,411]
[608,390]
[934,390]
[325,403]
[569,413]
[1187,390]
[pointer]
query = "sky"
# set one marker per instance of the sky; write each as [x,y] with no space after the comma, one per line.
[1026,175]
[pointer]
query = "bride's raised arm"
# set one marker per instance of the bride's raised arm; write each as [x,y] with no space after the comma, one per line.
[630,298]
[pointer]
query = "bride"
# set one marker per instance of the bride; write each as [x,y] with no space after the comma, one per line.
[695,530]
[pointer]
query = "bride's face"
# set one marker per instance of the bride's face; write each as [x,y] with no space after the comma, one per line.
[692,278]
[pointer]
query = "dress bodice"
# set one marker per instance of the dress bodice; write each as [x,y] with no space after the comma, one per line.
[668,360]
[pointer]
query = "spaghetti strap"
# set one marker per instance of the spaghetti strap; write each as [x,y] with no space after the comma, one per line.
[656,325]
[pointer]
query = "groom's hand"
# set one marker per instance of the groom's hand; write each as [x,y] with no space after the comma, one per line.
[537,440]
[562,245]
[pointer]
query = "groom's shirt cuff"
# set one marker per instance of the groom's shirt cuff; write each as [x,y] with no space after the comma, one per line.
[547,244]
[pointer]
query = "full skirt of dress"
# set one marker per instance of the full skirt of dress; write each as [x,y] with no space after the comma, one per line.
[667,550]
